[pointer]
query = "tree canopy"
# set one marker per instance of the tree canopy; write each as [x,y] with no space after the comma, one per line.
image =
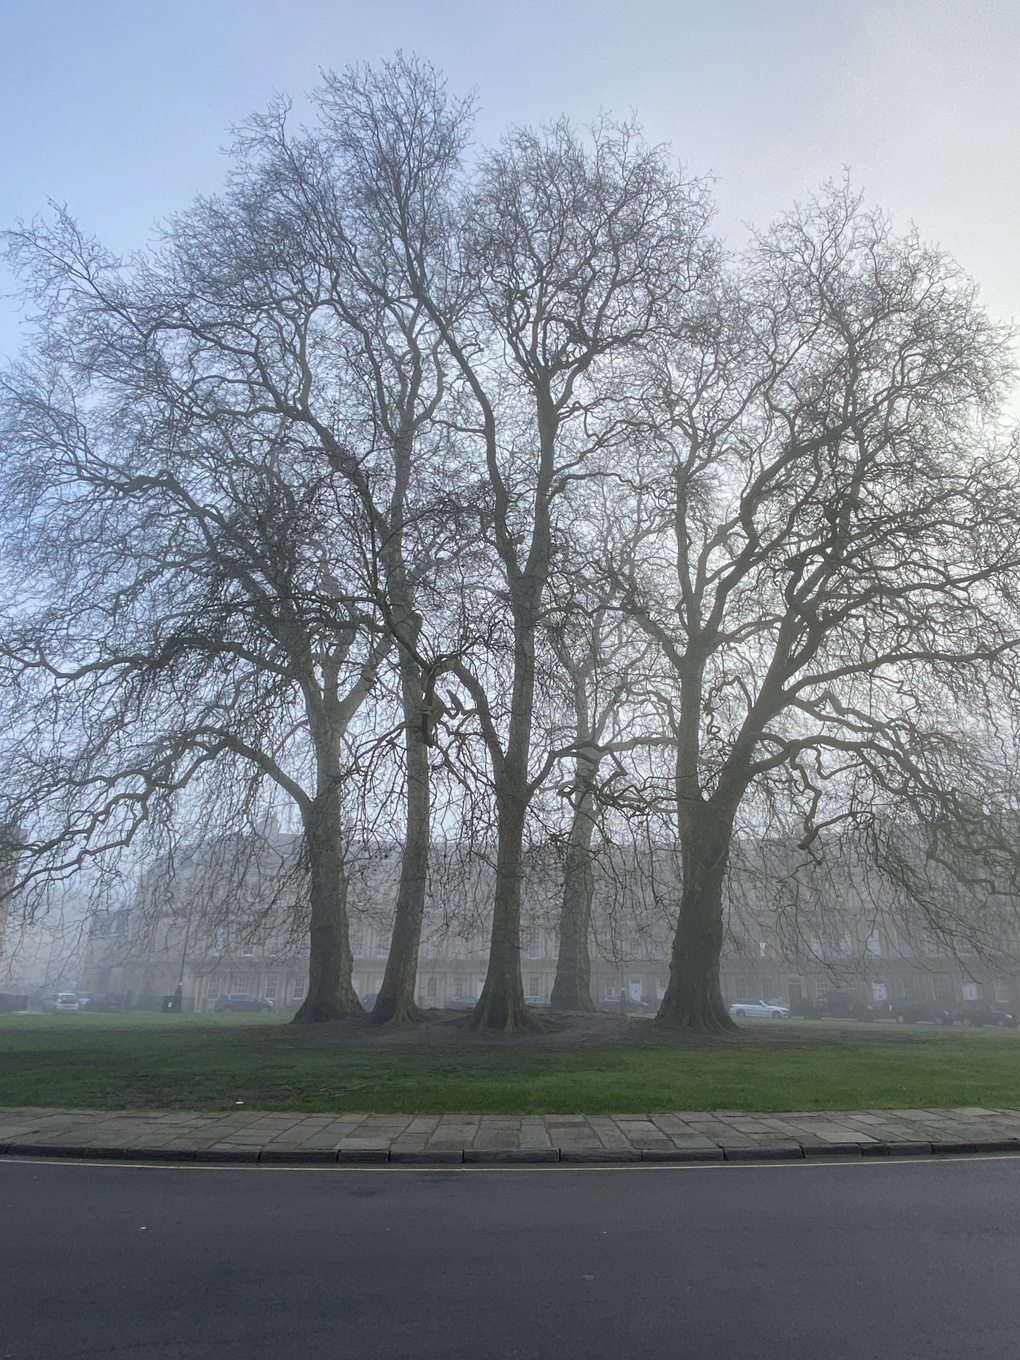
[390,469]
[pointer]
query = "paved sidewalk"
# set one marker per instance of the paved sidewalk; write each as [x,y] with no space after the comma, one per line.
[261,1136]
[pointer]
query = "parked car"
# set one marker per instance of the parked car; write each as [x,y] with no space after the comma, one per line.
[906,1012]
[775,1009]
[836,1006]
[536,1001]
[243,1001]
[105,1003]
[61,1002]
[974,1014]
[368,1002]
[622,1005]
[461,1003]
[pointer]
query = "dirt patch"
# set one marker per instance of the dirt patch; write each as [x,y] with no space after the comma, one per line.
[448,1032]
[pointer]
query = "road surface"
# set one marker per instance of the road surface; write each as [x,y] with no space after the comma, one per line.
[788,1261]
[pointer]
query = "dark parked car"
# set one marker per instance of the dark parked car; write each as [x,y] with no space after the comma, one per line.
[243,1001]
[836,1006]
[622,1005]
[906,1012]
[105,1003]
[974,1014]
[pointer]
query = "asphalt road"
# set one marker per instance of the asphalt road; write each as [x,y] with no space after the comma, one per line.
[901,1258]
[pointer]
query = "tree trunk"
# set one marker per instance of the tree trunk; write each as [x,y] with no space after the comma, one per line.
[501,1004]
[693,998]
[395,1004]
[572,987]
[331,995]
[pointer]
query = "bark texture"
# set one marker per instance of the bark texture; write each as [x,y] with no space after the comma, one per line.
[501,1004]
[331,994]
[572,986]
[693,998]
[395,1004]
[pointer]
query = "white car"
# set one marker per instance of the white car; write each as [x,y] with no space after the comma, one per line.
[773,1008]
[61,1001]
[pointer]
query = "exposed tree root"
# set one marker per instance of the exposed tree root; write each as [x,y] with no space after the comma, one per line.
[570,999]
[322,1012]
[400,1013]
[697,1020]
[503,1016]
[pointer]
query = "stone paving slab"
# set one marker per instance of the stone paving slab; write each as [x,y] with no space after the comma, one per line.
[269,1136]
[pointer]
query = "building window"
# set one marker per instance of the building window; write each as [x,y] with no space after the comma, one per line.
[249,949]
[846,942]
[221,939]
[763,949]
[556,944]
[357,943]
[241,983]
[214,989]
[816,946]
[970,991]
[941,990]
[1002,992]
[743,989]
[875,944]
[879,991]
[660,988]
[658,949]
[534,946]
[384,943]
[458,988]
[299,990]
[533,983]
[768,989]
[430,987]
[270,989]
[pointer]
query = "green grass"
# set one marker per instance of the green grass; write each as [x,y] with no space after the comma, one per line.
[212,1062]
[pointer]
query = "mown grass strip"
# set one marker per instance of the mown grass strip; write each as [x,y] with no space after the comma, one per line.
[117,1062]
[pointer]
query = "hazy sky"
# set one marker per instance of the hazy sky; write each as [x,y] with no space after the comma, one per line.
[119,107]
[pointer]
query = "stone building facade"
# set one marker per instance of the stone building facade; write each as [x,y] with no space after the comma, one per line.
[228,918]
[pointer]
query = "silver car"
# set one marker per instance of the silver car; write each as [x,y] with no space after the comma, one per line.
[59,1002]
[773,1008]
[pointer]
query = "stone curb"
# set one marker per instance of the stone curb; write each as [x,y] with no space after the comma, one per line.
[270,1156]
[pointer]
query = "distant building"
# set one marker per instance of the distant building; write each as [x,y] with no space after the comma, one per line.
[230,917]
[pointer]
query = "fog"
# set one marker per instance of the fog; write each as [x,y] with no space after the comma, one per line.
[120,110]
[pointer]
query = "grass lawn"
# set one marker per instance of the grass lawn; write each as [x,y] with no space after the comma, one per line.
[214,1062]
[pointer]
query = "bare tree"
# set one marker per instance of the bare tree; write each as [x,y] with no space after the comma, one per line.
[827,530]
[577,254]
[334,200]
[193,610]
[593,701]
[278,306]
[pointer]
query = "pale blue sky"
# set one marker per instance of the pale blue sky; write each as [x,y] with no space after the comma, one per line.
[119,107]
